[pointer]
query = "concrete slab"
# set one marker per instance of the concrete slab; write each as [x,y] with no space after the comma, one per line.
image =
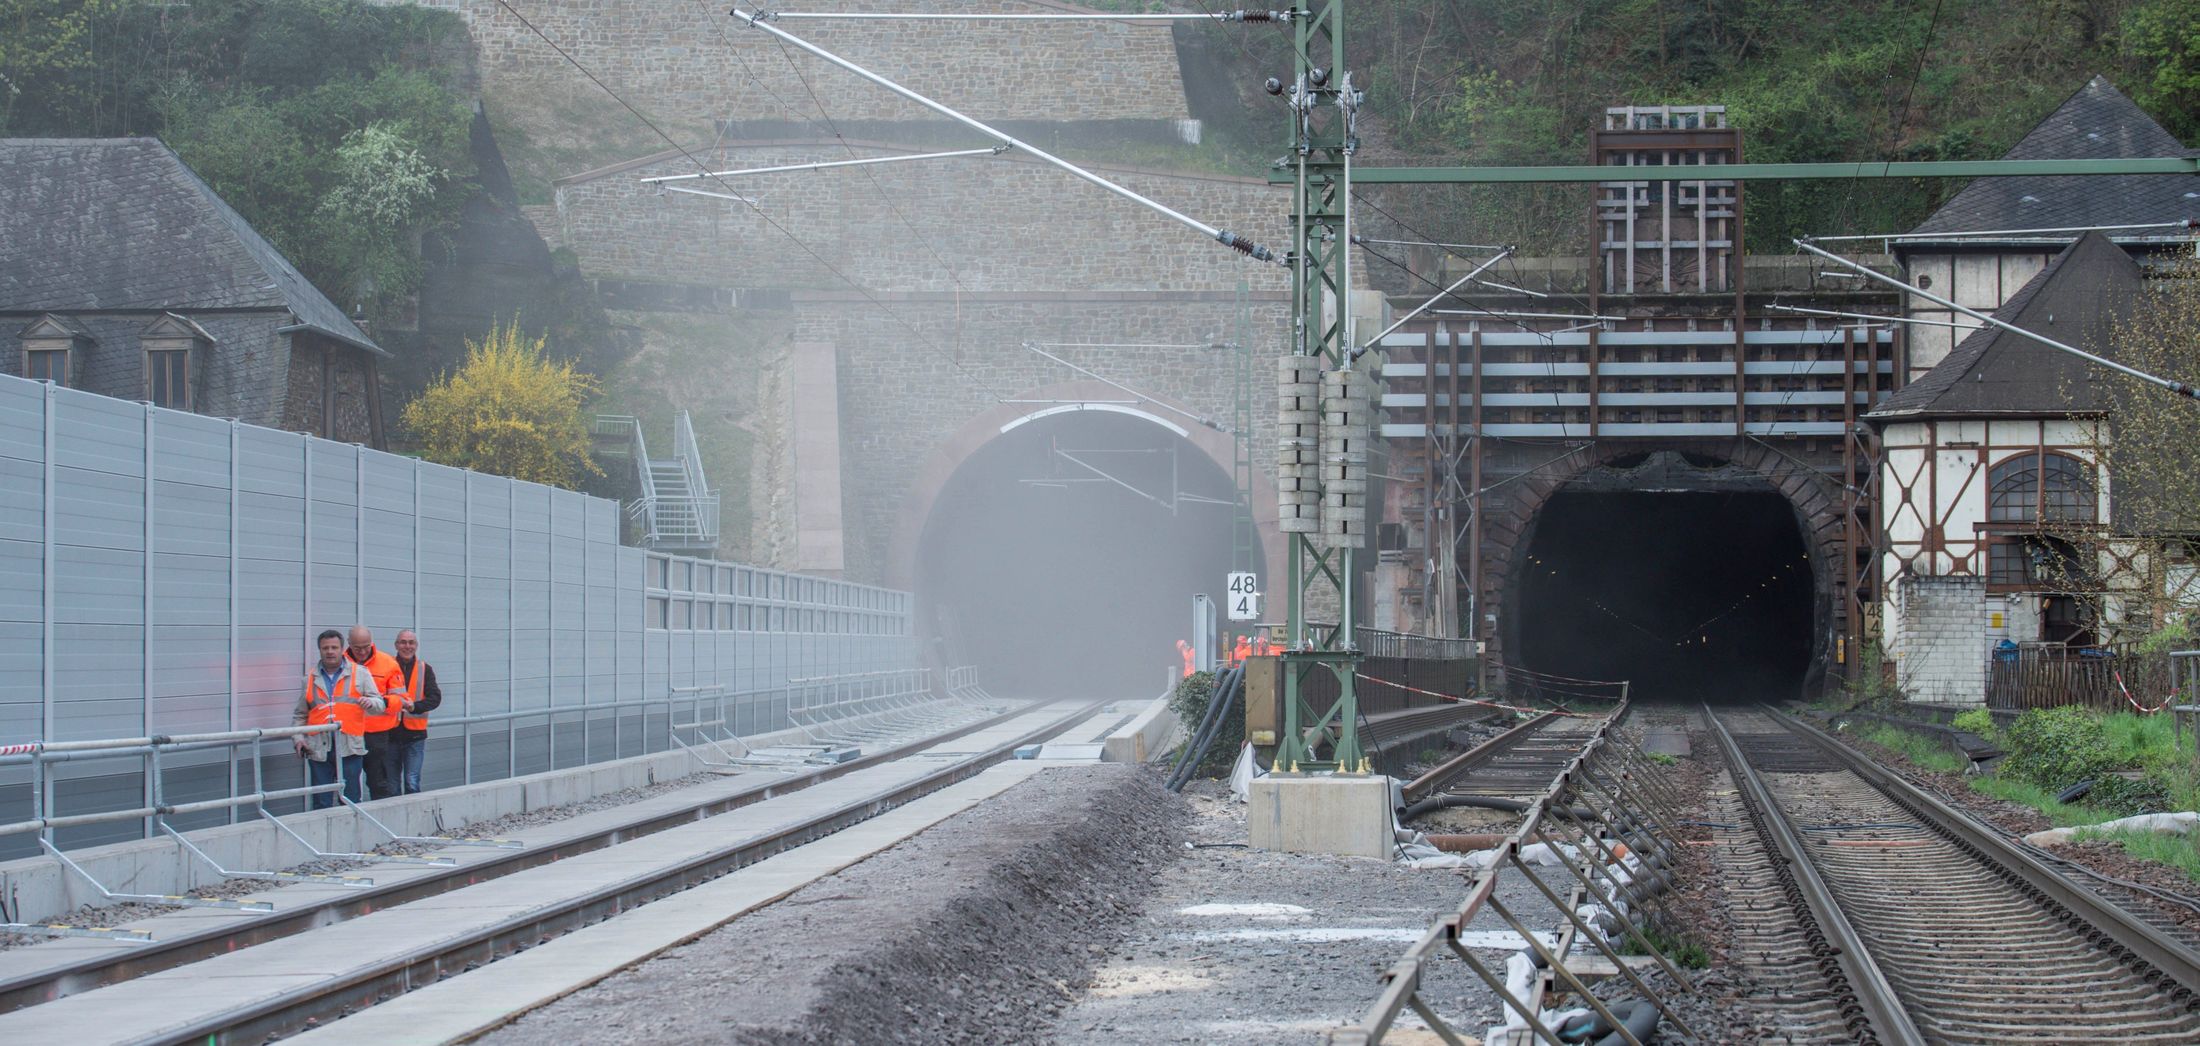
[40,890]
[1665,740]
[158,1006]
[1321,813]
[1147,735]
[459,1008]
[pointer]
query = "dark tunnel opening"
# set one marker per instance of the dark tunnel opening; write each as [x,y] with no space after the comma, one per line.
[1688,595]
[1058,581]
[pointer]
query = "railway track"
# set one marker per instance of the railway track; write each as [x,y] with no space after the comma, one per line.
[1926,926]
[1514,766]
[371,979]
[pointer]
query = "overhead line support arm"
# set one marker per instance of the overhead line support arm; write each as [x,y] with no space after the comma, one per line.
[1228,239]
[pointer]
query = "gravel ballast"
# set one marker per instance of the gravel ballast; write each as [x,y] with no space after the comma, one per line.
[974,931]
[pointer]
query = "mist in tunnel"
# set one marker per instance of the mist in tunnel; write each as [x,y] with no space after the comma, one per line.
[1062,557]
[1688,595]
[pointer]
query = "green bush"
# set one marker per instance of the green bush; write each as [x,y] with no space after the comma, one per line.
[1976,721]
[2057,747]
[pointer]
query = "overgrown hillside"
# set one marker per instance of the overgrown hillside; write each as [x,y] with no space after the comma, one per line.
[337,128]
[1523,81]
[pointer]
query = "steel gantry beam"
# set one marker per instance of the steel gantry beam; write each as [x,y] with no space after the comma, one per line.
[1284,173]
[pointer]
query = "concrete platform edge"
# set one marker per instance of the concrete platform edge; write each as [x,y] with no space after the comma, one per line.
[39,889]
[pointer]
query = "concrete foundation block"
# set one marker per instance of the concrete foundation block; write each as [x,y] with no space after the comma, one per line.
[1321,814]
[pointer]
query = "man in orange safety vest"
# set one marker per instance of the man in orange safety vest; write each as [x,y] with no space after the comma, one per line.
[341,692]
[422,695]
[390,683]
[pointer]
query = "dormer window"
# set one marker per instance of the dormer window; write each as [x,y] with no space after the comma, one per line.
[51,349]
[172,345]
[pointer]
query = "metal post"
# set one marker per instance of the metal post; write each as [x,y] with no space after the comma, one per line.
[42,784]
[151,784]
[231,667]
[466,629]
[1323,107]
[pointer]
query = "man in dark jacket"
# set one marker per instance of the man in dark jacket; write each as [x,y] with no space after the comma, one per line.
[408,740]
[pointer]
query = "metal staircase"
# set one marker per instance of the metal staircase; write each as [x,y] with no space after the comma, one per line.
[672,508]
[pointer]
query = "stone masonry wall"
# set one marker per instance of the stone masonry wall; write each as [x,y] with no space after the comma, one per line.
[964,225]
[1938,639]
[679,60]
[902,394]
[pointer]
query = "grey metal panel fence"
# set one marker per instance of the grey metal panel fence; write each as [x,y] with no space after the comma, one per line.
[164,573]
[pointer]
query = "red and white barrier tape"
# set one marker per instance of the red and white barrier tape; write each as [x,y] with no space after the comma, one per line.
[1474,701]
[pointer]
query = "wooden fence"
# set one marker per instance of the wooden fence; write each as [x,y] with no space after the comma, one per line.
[2117,679]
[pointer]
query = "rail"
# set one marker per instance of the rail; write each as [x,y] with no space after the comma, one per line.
[807,704]
[2177,961]
[1613,862]
[257,1019]
[96,968]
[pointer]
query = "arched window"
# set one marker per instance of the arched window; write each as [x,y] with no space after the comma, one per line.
[2040,488]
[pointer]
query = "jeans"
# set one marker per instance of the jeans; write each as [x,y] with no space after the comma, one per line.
[323,771]
[411,757]
[382,755]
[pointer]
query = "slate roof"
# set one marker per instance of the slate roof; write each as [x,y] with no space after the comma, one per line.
[2097,122]
[122,224]
[2077,300]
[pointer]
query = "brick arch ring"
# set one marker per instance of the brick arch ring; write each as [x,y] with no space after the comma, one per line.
[1815,501]
[940,465]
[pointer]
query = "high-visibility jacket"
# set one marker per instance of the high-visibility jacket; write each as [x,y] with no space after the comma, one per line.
[1185,649]
[340,707]
[1242,650]
[410,682]
[389,679]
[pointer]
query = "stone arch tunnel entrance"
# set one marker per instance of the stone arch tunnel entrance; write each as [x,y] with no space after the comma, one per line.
[1693,582]
[1061,556]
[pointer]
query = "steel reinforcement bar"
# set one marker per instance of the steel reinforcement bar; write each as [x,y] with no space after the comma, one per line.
[100,969]
[1636,816]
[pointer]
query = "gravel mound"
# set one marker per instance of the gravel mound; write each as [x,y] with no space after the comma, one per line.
[977,930]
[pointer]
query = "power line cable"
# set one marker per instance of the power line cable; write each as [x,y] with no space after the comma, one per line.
[776,225]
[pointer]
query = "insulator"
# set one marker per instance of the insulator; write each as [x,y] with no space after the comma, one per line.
[1243,246]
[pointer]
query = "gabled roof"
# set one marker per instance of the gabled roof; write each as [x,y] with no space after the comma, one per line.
[2097,122]
[2077,299]
[115,224]
[52,326]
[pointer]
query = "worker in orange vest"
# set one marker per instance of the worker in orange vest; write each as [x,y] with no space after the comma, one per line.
[389,681]
[341,692]
[1185,649]
[1241,650]
[423,695]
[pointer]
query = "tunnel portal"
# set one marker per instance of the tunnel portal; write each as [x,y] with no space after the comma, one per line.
[1062,556]
[1690,595]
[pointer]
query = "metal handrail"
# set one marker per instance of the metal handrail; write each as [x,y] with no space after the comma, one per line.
[39,754]
[707,707]
[643,509]
[1376,642]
